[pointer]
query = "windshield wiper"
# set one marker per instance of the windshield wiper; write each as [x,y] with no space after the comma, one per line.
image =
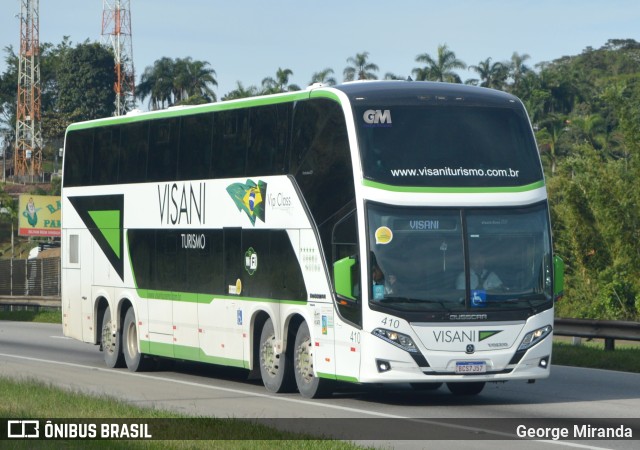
[413,301]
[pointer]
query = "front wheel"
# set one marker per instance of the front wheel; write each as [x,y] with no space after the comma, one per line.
[110,341]
[136,361]
[309,385]
[275,368]
[472,388]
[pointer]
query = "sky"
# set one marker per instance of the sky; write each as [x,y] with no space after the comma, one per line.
[248,40]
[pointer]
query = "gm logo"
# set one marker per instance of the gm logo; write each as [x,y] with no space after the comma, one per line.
[377,117]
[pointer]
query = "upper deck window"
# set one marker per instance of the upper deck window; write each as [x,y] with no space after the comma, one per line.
[447,145]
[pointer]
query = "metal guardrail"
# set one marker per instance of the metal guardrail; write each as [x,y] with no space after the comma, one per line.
[609,330]
[20,302]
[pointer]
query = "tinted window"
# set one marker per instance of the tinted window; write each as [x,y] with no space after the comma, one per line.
[78,158]
[230,144]
[194,159]
[430,145]
[105,156]
[164,138]
[267,140]
[321,163]
[133,153]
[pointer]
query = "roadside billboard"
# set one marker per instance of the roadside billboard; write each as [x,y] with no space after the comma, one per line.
[39,215]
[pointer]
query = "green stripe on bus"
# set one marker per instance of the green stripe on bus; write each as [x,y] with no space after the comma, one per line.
[453,190]
[191,110]
[188,353]
[330,376]
[189,297]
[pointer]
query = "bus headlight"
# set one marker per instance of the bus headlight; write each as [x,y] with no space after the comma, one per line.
[535,336]
[398,339]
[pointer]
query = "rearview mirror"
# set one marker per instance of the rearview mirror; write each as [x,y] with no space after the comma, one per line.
[343,279]
[558,277]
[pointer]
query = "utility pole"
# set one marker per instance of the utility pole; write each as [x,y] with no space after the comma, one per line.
[116,32]
[28,150]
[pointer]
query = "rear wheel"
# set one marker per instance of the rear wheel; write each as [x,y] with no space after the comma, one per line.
[110,341]
[471,388]
[309,385]
[275,368]
[136,361]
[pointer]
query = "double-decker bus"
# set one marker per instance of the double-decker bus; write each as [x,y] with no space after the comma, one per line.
[331,234]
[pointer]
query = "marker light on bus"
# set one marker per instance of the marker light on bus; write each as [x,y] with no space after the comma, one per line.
[398,339]
[535,336]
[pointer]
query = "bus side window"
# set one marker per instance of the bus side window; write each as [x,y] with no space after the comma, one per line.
[105,156]
[196,138]
[78,160]
[132,167]
[163,149]
[266,150]
[344,243]
[231,139]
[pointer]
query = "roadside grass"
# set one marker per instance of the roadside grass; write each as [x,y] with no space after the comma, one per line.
[591,354]
[27,399]
[32,315]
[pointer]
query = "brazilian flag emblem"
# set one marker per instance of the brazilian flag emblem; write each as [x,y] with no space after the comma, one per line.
[250,198]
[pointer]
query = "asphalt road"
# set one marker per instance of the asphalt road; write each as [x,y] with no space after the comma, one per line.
[569,396]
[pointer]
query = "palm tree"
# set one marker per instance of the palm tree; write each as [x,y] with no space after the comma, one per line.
[280,83]
[324,77]
[517,69]
[156,83]
[360,69]
[171,81]
[491,75]
[441,68]
[194,79]
[241,92]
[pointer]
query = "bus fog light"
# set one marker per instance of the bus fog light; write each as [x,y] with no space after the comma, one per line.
[383,366]
[544,362]
[398,339]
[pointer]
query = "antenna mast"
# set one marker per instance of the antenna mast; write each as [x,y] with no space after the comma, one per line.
[28,151]
[116,32]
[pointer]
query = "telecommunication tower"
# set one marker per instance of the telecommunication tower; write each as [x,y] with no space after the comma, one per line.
[116,31]
[28,151]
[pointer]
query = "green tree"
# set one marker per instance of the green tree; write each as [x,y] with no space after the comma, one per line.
[156,83]
[518,69]
[241,92]
[85,80]
[324,77]
[360,68]
[441,68]
[491,75]
[193,79]
[280,83]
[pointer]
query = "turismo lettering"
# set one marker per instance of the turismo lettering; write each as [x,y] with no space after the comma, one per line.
[182,203]
[193,241]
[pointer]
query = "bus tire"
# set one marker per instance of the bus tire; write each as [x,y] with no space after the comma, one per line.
[276,369]
[110,342]
[136,361]
[309,385]
[470,388]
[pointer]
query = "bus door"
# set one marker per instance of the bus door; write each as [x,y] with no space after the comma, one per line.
[76,300]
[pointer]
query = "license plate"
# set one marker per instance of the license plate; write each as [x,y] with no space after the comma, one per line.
[471,367]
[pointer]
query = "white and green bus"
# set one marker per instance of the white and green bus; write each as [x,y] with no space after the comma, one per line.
[324,235]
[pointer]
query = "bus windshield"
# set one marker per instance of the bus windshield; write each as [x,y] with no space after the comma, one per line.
[446,146]
[418,260]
